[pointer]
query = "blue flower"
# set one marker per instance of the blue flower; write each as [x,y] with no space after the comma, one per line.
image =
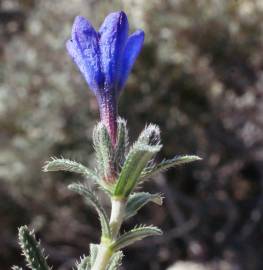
[105,58]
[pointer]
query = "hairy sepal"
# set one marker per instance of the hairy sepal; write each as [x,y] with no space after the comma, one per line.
[104,152]
[122,143]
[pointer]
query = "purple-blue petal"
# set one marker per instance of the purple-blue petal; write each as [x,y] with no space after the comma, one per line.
[131,51]
[113,36]
[105,58]
[84,49]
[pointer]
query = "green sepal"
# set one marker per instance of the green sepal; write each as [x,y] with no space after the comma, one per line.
[104,150]
[31,249]
[137,200]
[168,163]
[115,261]
[143,150]
[134,235]
[61,164]
[122,143]
[92,200]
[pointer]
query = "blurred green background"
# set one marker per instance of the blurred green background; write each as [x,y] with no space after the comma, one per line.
[199,76]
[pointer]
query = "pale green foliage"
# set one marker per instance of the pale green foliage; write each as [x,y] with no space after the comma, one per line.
[119,173]
[137,159]
[62,164]
[92,200]
[143,150]
[168,163]
[136,234]
[137,200]
[84,263]
[115,261]
[93,253]
[32,251]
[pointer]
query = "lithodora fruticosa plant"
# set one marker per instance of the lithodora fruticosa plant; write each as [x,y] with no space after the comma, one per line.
[105,59]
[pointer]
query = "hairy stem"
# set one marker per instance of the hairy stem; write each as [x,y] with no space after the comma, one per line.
[117,214]
[103,257]
[116,219]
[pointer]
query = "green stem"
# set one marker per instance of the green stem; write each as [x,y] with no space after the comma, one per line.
[117,214]
[103,257]
[116,219]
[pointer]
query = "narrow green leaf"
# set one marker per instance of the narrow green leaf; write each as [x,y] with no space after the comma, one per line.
[134,235]
[32,251]
[137,200]
[61,164]
[143,150]
[136,161]
[92,200]
[168,163]
[115,261]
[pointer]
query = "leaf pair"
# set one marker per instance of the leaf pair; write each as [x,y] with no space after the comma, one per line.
[135,202]
[113,162]
[87,262]
[36,259]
